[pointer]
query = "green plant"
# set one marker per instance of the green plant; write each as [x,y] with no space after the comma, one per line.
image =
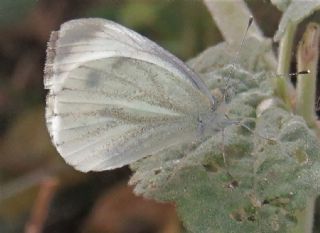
[263,177]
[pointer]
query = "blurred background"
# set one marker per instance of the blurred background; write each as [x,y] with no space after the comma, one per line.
[38,191]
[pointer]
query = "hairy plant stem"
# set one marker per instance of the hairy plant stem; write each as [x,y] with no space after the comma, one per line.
[284,88]
[235,23]
[307,59]
[305,217]
[230,28]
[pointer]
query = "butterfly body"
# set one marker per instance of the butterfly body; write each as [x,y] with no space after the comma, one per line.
[116,97]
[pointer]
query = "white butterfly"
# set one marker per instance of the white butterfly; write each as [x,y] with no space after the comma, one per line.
[116,97]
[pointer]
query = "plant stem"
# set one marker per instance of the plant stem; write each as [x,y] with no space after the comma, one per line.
[305,218]
[232,17]
[307,59]
[285,49]
[283,86]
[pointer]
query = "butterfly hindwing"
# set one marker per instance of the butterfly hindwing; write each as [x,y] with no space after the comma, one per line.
[112,102]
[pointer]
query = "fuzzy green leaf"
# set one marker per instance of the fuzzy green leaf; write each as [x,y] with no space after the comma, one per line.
[251,56]
[271,167]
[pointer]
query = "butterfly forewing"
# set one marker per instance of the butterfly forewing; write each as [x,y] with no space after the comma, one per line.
[88,39]
[116,97]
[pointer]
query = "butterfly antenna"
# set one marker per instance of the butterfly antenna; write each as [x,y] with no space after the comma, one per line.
[237,57]
[290,75]
[298,73]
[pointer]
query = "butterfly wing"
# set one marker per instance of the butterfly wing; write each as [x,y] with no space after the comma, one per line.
[108,106]
[83,40]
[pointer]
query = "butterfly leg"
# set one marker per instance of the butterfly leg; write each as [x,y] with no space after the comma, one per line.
[223,147]
[233,182]
[240,123]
